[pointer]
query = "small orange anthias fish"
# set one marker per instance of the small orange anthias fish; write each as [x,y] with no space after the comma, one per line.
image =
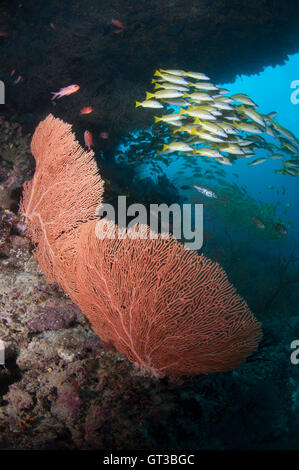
[86,110]
[18,80]
[68,90]
[104,135]
[118,23]
[88,139]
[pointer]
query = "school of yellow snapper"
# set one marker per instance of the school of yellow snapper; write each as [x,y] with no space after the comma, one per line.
[212,124]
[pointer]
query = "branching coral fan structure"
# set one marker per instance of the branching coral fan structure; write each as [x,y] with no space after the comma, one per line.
[169,310]
[62,196]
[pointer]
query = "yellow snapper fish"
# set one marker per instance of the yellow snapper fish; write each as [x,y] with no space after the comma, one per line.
[204,107]
[200,96]
[171,78]
[233,149]
[242,98]
[149,104]
[223,99]
[206,136]
[258,139]
[258,161]
[283,141]
[248,127]
[233,117]
[204,86]
[207,152]
[208,108]
[188,128]
[245,148]
[290,147]
[292,163]
[164,94]
[285,133]
[170,86]
[214,128]
[177,102]
[170,117]
[269,131]
[227,127]
[175,123]
[292,171]
[254,115]
[222,91]
[198,113]
[173,72]
[223,160]
[222,105]
[197,75]
[233,139]
[177,147]
[246,143]
[216,112]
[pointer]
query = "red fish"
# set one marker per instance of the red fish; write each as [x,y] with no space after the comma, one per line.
[3,34]
[18,80]
[86,110]
[117,31]
[118,24]
[88,139]
[104,135]
[68,90]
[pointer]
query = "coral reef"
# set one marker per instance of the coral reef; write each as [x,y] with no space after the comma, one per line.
[15,163]
[63,389]
[48,372]
[109,405]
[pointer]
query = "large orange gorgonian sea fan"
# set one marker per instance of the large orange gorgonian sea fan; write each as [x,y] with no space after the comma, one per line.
[169,310]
